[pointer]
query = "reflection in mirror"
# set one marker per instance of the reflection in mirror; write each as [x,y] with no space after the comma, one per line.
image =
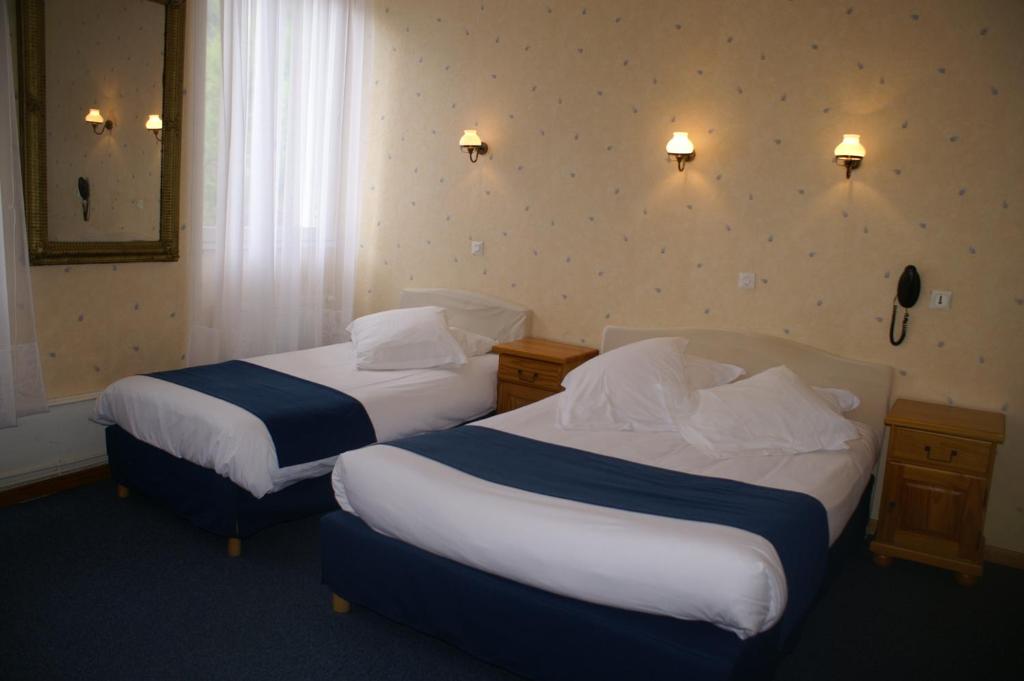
[106,55]
[100,90]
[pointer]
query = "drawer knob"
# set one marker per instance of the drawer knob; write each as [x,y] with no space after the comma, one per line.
[527,376]
[892,504]
[938,457]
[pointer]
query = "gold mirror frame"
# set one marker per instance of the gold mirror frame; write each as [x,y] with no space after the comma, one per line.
[32,103]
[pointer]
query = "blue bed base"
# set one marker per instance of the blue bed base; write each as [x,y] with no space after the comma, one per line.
[205,498]
[537,634]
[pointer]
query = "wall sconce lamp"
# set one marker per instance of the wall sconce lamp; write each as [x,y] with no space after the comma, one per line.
[681,148]
[471,144]
[98,123]
[849,153]
[155,125]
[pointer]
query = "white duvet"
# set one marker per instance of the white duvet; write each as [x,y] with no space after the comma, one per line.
[228,439]
[679,568]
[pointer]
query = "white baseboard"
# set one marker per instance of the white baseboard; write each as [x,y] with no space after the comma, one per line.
[53,471]
[61,441]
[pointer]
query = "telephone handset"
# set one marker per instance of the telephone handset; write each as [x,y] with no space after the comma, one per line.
[83,194]
[907,292]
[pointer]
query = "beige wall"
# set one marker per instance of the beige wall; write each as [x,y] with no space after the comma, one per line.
[98,323]
[587,223]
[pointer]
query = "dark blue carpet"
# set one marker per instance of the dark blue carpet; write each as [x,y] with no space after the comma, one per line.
[93,587]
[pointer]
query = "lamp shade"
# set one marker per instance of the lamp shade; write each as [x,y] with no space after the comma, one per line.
[470,138]
[154,122]
[94,116]
[850,146]
[680,144]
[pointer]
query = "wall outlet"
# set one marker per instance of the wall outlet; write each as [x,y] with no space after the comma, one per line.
[476,247]
[746,280]
[940,300]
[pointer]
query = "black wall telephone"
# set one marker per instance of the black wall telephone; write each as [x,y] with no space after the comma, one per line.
[907,292]
[83,193]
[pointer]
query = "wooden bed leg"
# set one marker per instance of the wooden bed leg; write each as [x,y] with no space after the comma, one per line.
[122,492]
[339,604]
[882,560]
[234,547]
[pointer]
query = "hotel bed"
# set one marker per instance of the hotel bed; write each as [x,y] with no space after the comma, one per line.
[559,588]
[215,462]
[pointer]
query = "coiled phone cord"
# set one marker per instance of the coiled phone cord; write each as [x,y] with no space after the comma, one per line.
[892,323]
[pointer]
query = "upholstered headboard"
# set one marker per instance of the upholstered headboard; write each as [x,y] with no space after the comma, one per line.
[491,317]
[756,352]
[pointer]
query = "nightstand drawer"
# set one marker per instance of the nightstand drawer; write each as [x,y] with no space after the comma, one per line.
[530,372]
[955,453]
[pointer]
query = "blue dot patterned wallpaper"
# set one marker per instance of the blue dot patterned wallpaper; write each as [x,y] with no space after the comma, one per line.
[587,221]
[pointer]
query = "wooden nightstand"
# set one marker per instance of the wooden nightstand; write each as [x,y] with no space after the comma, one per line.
[937,476]
[531,369]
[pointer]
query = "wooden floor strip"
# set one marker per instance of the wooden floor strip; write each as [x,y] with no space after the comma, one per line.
[44,488]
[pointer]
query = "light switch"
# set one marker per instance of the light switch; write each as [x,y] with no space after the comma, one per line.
[746,280]
[940,300]
[476,247]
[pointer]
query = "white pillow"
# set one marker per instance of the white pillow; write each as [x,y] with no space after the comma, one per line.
[706,373]
[634,387]
[840,400]
[702,373]
[473,344]
[407,338]
[773,410]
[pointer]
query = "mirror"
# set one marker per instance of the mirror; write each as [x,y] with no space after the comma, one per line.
[100,186]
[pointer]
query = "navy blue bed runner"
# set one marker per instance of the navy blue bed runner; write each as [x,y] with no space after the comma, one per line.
[795,523]
[307,421]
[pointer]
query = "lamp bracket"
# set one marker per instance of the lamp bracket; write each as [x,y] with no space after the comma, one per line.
[100,128]
[681,159]
[850,162]
[475,151]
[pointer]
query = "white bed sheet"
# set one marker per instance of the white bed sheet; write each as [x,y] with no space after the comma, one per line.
[230,440]
[679,568]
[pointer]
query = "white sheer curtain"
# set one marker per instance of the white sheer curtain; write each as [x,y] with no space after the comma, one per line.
[21,380]
[281,86]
